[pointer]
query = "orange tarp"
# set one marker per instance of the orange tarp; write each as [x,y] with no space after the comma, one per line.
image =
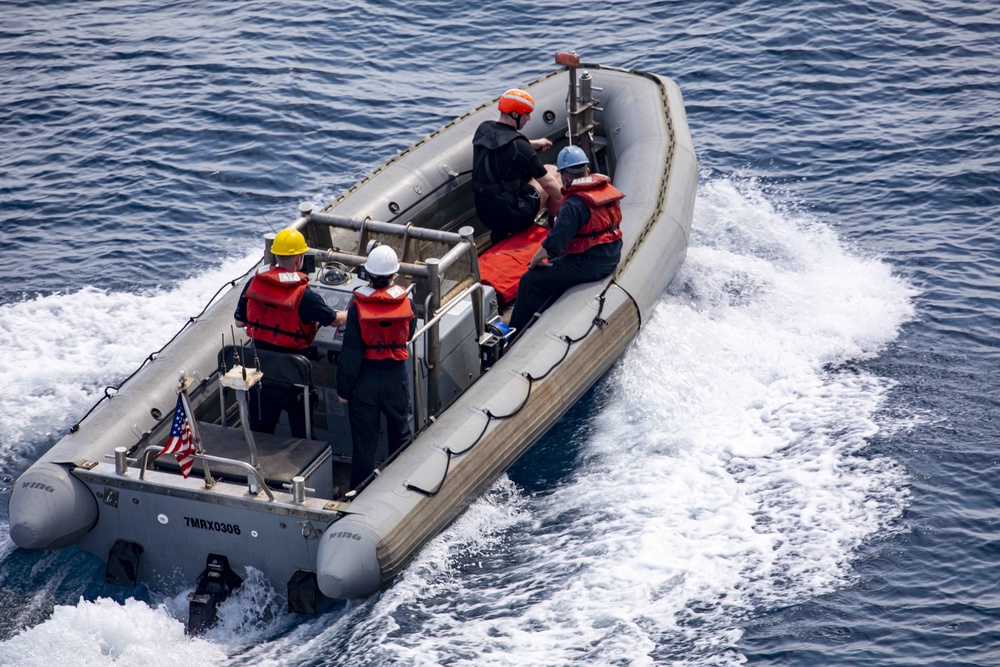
[502,265]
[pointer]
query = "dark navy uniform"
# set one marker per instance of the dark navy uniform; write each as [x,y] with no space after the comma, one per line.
[267,402]
[575,256]
[503,164]
[372,374]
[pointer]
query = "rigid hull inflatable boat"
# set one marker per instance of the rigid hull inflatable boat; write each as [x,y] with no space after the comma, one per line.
[276,503]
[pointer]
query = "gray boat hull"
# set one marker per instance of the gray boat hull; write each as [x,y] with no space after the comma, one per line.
[486,418]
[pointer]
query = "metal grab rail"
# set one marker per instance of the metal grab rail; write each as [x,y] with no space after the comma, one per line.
[144,464]
[432,270]
[463,241]
[431,360]
[477,287]
[422,233]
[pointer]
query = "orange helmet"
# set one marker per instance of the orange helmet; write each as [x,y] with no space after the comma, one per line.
[516,100]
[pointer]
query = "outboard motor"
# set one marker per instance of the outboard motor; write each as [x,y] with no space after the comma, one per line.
[214,585]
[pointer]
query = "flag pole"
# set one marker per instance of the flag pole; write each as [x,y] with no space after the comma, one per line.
[183,383]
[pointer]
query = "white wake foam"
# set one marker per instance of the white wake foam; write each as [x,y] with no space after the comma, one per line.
[61,350]
[105,633]
[720,475]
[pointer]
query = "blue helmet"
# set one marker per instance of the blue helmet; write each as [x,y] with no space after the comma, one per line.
[570,157]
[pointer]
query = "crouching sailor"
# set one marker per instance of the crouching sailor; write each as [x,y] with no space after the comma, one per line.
[371,376]
[281,314]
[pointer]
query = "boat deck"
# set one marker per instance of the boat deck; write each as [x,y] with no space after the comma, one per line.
[280,458]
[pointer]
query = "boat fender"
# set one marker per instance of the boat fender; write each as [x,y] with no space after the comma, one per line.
[346,564]
[49,508]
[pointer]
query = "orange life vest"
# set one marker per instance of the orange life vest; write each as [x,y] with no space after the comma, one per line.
[605,212]
[384,316]
[273,299]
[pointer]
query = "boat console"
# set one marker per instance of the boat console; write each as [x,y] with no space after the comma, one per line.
[457,347]
[456,317]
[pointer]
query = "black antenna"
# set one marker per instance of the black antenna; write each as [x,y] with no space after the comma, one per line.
[238,350]
[253,348]
[259,211]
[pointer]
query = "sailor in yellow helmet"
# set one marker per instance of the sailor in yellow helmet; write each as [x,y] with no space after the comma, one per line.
[281,314]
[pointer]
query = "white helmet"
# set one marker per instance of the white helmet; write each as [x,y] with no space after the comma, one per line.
[382,261]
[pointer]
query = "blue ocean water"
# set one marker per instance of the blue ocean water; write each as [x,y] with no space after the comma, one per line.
[795,462]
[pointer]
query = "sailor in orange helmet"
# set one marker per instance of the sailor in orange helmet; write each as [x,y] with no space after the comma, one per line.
[510,183]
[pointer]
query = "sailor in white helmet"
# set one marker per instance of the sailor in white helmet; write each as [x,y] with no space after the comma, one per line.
[371,373]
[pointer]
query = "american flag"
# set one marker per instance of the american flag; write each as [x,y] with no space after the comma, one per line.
[180,443]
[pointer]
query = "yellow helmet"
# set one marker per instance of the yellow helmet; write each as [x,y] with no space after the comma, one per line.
[289,242]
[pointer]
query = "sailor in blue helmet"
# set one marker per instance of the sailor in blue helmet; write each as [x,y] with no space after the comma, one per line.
[585,243]
[372,377]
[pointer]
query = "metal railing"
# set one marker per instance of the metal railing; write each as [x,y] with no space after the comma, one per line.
[431,271]
[208,458]
[432,352]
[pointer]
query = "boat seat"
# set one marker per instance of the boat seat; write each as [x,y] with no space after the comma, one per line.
[278,367]
[280,458]
[282,368]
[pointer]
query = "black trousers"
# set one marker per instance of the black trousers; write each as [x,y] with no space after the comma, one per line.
[383,388]
[542,285]
[503,220]
[267,403]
